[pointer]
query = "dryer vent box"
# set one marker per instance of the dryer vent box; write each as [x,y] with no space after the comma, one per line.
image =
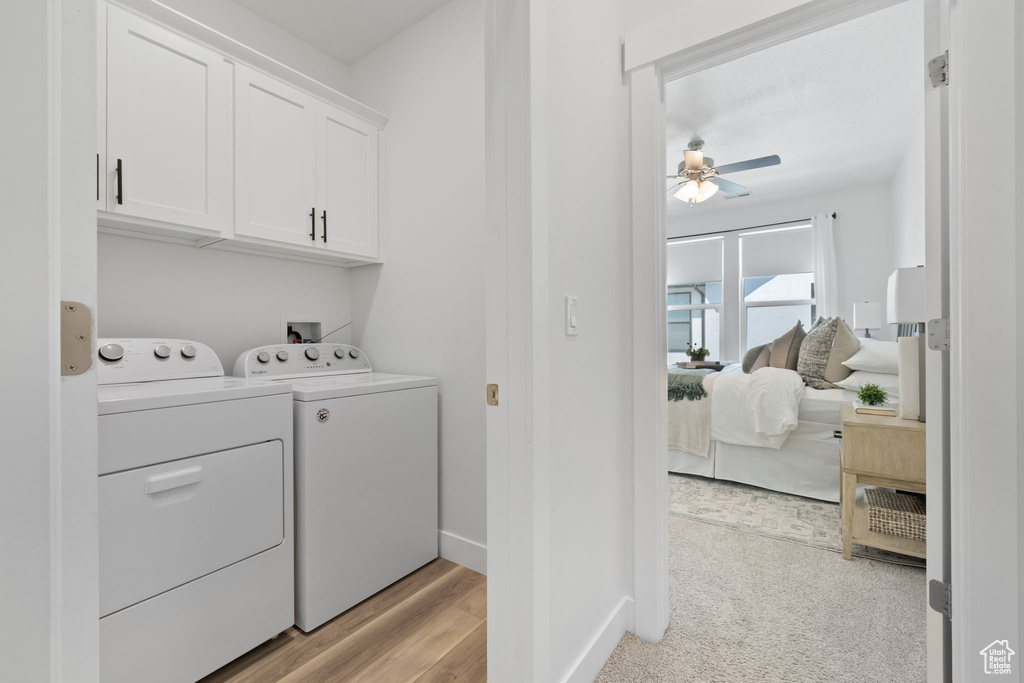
[308,330]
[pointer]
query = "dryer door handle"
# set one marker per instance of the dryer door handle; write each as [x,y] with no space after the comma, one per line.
[173,480]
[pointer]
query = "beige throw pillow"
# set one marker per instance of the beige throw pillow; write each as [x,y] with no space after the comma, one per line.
[845,345]
[785,351]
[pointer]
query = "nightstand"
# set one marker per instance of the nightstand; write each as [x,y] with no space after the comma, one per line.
[878,451]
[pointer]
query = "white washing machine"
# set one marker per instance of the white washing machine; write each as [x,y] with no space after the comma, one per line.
[196,552]
[365,473]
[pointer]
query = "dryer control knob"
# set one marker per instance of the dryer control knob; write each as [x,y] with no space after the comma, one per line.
[339,353]
[263,357]
[162,351]
[112,352]
[282,356]
[312,354]
[188,351]
[354,353]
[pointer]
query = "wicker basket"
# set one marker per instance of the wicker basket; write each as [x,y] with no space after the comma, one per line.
[896,514]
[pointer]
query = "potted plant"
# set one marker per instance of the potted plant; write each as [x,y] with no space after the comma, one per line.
[696,355]
[872,395]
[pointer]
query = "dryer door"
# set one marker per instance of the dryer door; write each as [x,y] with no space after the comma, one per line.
[165,525]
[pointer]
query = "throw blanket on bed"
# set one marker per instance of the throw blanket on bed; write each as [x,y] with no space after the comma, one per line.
[688,384]
[759,409]
[689,422]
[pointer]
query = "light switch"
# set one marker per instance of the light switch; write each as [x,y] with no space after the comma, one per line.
[570,316]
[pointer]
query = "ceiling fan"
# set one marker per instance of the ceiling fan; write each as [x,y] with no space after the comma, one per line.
[700,178]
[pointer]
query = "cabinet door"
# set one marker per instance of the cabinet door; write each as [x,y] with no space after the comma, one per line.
[167,104]
[275,160]
[346,182]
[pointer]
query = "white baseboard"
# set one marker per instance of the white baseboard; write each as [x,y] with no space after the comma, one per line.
[600,648]
[463,551]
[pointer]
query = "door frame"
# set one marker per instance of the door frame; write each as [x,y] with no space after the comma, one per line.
[518,565]
[50,629]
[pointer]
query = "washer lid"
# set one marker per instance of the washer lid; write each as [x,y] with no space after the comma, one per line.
[123,398]
[338,386]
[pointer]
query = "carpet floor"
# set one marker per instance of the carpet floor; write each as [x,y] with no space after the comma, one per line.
[770,513]
[748,607]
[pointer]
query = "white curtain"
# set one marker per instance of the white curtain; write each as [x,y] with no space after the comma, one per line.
[825,276]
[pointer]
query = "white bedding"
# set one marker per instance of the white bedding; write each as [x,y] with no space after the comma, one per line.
[807,464]
[759,409]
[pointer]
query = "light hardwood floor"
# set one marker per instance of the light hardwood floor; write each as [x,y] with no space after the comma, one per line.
[431,626]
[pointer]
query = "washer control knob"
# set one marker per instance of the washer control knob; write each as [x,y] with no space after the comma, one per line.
[282,356]
[112,352]
[339,353]
[312,354]
[188,351]
[354,353]
[162,351]
[263,357]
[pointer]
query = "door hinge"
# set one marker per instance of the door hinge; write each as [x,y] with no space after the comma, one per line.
[938,334]
[75,338]
[492,394]
[940,598]
[938,70]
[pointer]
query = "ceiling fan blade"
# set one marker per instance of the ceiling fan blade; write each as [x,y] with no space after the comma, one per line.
[728,186]
[674,186]
[749,164]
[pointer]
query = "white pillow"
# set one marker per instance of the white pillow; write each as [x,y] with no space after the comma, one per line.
[876,356]
[889,383]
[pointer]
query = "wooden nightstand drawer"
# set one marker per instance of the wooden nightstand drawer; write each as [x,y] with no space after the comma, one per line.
[888,452]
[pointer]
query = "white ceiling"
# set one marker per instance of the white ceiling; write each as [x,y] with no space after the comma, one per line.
[347,30]
[838,107]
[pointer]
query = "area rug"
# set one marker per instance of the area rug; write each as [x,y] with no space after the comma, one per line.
[768,513]
[748,608]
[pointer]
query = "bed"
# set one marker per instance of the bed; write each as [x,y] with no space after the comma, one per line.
[807,464]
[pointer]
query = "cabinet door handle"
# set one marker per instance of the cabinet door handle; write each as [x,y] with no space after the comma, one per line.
[325,225]
[97,176]
[312,224]
[120,175]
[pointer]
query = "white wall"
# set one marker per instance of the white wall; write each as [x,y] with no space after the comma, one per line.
[229,301]
[908,203]
[423,310]
[864,234]
[254,31]
[582,109]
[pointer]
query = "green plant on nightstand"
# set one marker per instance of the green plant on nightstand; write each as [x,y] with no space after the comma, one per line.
[872,395]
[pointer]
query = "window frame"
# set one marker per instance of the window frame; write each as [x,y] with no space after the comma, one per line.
[733,308]
[718,353]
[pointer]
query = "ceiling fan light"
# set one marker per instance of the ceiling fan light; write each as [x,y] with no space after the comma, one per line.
[689,191]
[707,190]
[694,159]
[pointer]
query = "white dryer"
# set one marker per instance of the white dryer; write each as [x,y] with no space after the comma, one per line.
[365,473]
[195,511]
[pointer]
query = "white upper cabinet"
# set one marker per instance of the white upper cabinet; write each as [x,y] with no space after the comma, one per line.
[167,155]
[204,141]
[275,160]
[347,182]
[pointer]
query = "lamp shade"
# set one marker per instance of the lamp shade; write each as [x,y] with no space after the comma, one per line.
[907,296]
[867,315]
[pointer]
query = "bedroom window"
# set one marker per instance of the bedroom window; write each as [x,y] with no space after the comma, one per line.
[694,297]
[777,268]
[734,290]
